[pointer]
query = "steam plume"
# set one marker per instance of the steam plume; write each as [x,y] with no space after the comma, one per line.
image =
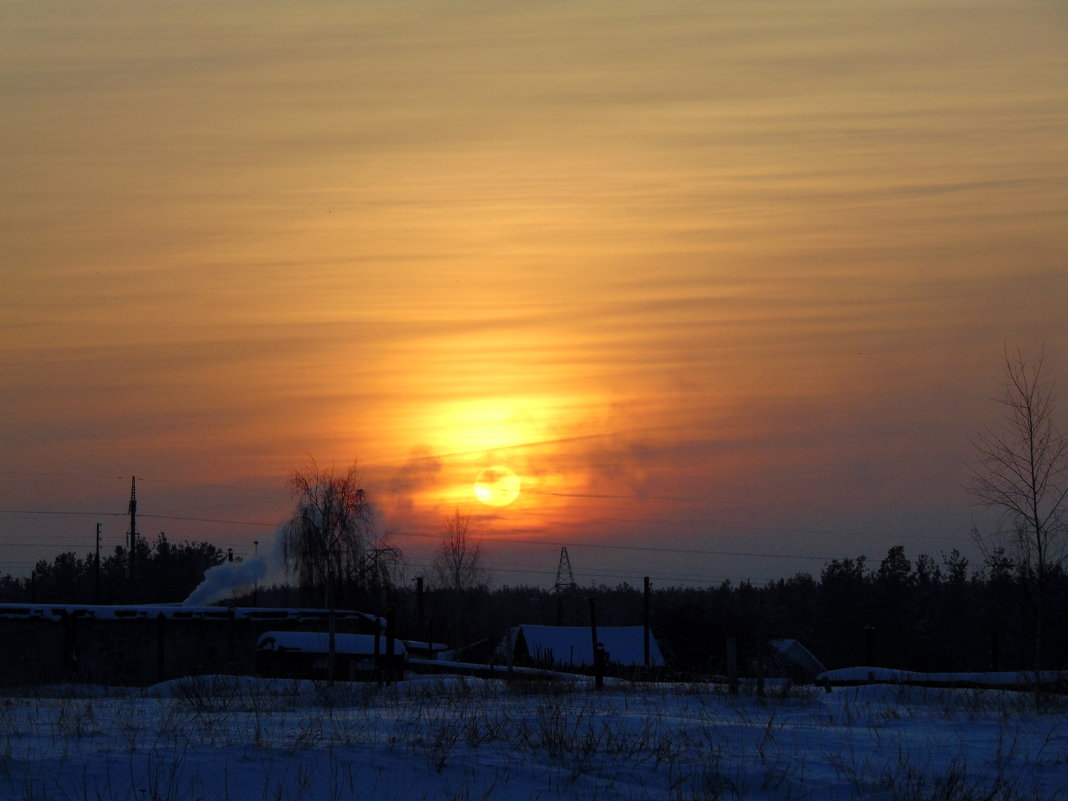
[221,579]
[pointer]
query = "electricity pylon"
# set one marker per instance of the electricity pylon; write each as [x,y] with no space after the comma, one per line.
[565,579]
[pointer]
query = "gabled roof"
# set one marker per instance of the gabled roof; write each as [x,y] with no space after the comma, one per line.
[572,645]
[797,654]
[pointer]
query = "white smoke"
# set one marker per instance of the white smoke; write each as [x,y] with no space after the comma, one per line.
[220,580]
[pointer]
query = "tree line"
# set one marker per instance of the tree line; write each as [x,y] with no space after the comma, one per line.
[160,572]
[921,614]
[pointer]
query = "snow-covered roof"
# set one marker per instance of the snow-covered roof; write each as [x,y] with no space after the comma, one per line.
[173,612]
[573,645]
[318,642]
[863,675]
[795,652]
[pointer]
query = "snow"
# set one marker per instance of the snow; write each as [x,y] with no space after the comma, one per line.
[861,675]
[223,738]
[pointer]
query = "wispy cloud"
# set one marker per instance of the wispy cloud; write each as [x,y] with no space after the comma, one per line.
[761,257]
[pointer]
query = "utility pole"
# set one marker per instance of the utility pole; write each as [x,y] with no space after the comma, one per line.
[256,586]
[96,568]
[131,570]
[598,649]
[419,611]
[645,622]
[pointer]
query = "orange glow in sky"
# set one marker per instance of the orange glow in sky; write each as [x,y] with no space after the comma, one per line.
[720,277]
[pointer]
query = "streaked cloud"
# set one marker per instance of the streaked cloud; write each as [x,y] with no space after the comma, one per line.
[749,266]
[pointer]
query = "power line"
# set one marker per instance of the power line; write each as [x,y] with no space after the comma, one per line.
[643,548]
[139,478]
[523,541]
[61,475]
[658,549]
[44,512]
[206,484]
[705,580]
[257,523]
[59,513]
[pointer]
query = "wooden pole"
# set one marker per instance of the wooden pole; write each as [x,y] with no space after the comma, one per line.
[598,649]
[419,612]
[732,665]
[645,624]
[161,647]
[391,638]
[593,623]
[96,568]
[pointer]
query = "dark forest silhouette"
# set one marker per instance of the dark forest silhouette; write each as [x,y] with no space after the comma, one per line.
[923,614]
[164,572]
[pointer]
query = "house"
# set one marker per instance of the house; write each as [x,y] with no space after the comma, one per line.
[572,646]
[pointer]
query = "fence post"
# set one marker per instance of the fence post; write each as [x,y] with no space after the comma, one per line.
[391,639]
[732,665]
[598,666]
[161,647]
[645,624]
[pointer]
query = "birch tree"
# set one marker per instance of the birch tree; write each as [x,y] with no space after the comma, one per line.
[326,542]
[458,562]
[1021,471]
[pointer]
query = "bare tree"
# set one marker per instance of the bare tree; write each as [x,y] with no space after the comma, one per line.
[327,539]
[330,540]
[458,563]
[1022,471]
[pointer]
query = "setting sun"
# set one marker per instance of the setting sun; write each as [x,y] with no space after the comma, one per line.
[497,486]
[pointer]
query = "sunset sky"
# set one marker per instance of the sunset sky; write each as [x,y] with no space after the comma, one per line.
[727,284]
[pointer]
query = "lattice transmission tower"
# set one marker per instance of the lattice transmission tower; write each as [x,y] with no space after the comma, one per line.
[565,579]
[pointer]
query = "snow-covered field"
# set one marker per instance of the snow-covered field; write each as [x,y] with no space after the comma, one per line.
[244,739]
